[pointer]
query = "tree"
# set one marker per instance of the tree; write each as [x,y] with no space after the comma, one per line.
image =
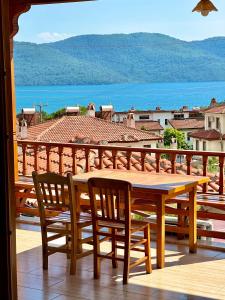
[59,113]
[170,133]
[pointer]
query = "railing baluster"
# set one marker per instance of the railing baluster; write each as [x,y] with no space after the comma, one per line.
[100,156]
[87,153]
[157,159]
[143,155]
[221,179]
[48,166]
[128,159]
[60,151]
[114,158]
[24,149]
[173,162]
[205,162]
[188,162]
[74,161]
[35,147]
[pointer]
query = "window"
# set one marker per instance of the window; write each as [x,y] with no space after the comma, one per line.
[209,122]
[217,123]
[197,144]
[179,116]
[204,145]
[147,146]
[144,117]
[166,122]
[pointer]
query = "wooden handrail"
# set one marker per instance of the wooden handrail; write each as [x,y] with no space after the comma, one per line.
[111,156]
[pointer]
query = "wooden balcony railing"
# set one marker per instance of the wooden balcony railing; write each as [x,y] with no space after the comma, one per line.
[62,158]
[75,158]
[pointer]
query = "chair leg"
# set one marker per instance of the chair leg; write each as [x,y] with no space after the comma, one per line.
[96,258]
[126,266]
[68,242]
[73,252]
[148,264]
[44,249]
[114,261]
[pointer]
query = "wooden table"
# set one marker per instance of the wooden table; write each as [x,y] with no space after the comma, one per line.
[158,188]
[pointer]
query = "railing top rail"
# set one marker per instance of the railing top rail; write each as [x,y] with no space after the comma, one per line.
[122,148]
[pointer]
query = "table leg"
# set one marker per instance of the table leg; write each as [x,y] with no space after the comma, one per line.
[160,233]
[193,221]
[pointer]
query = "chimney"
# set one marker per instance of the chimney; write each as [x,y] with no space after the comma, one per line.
[213,102]
[130,120]
[158,108]
[91,110]
[30,115]
[184,108]
[23,129]
[106,112]
[72,110]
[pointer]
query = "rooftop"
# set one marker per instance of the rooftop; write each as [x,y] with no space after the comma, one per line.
[187,124]
[86,129]
[148,125]
[218,109]
[210,135]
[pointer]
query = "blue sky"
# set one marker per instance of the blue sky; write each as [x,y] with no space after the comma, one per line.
[49,23]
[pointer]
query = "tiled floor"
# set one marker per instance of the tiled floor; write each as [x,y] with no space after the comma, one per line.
[186,276]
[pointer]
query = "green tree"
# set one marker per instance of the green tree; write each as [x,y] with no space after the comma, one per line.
[59,113]
[170,133]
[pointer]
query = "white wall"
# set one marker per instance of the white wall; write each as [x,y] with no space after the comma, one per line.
[214,123]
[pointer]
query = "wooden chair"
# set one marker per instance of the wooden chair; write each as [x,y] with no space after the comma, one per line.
[57,193]
[114,214]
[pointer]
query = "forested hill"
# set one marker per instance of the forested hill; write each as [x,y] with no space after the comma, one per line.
[119,58]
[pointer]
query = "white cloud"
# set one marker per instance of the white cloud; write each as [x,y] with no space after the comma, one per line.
[48,37]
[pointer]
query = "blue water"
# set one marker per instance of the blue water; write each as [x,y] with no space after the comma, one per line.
[122,96]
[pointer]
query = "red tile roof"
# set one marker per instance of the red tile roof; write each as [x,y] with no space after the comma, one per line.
[218,109]
[210,135]
[187,124]
[148,125]
[86,129]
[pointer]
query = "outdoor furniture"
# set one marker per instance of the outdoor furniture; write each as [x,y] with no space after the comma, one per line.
[56,193]
[158,188]
[114,215]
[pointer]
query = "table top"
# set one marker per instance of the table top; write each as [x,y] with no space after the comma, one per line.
[158,183]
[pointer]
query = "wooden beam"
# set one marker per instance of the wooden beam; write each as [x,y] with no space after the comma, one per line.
[39,2]
[7,203]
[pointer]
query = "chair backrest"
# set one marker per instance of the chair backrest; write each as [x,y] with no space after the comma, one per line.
[115,200]
[54,192]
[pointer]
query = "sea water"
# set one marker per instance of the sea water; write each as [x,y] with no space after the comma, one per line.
[122,96]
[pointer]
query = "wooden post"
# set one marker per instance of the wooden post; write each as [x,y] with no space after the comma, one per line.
[7,203]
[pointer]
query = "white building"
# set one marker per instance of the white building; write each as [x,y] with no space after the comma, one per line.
[212,138]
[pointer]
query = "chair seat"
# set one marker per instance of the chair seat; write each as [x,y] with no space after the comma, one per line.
[64,218]
[135,225]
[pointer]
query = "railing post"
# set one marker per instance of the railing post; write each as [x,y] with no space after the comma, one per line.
[60,151]
[143,155]
[221,179]
[114,158]
[100,156]
[35,147]
[48,166]
[24,149]
[157,158]
[74,163]
[173,162]
[188,162]
[205,162]
[128,160]
[87,152]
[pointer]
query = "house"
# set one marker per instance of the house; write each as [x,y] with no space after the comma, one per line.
[90,130]
[212,137]
[187,126]
[160,115]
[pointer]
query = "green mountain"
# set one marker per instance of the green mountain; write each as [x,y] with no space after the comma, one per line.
[119,58]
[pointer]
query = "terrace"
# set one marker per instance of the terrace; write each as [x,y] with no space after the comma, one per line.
[172,282]
[180,265]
